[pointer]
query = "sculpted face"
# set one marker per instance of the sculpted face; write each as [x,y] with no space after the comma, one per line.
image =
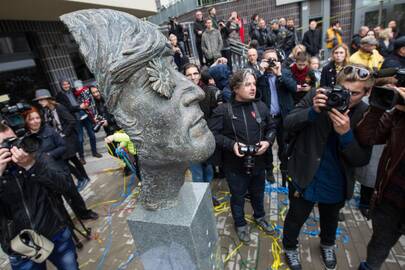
[173,130]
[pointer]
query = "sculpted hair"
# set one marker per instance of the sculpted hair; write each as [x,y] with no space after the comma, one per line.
[113,54]
[342,77]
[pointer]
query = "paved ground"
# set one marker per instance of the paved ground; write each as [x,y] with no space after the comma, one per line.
[112,246]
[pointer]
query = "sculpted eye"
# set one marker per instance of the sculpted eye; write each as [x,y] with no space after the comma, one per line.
[159,77]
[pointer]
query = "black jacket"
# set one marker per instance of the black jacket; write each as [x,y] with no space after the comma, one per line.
[385,51]
[312,40]
[394,61]
[328,75]
[286,88]
[221,126]
[209,103]
[177,30]
[264,37]
[52,143]
[27,200]
[355,45]
[62,98]
[198,26]
[69,129]
[284,39]
[311,139]
[102,111]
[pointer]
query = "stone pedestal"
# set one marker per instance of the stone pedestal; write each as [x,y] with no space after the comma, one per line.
[182,237]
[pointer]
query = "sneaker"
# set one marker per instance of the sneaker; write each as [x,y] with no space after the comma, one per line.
[82,160]
[365,211]
[341,217]
[90,214]
[364,266]
[292,258]
[270,176]
[264,225]
[97,155]
[82,184]
[243,234]
[328,257]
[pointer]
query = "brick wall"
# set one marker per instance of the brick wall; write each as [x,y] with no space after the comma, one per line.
[50,45]
[342,10]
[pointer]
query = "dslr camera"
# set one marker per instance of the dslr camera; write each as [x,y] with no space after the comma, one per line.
[11,116]
[385,97]
[99,123]
[249,159]
[338,98]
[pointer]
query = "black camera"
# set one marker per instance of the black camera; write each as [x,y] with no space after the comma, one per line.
[99,123]
[338,98]
[249,159]
[29,143]
[385,97]
[10,115]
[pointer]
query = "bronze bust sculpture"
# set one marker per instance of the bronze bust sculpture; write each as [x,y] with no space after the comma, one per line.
[155,104]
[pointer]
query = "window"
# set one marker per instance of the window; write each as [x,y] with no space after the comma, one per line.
[201,3]
[14,43]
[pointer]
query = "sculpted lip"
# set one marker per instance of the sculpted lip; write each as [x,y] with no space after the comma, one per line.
[197,120]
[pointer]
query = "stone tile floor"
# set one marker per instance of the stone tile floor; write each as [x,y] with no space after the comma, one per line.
[112,245]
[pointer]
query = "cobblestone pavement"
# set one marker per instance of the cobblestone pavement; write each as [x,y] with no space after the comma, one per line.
[112,245]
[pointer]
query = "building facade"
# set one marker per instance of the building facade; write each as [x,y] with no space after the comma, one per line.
[36,49]
[351,13]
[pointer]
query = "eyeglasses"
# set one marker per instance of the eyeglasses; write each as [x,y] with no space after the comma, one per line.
[361,74]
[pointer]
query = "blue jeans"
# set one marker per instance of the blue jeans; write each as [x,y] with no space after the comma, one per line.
[202,172]
[239,185]
[88,125]
[63,256]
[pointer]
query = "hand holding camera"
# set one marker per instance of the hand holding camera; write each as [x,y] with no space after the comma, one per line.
[319,100]
[340,121]
[16,155]
[5,158]
[264,145]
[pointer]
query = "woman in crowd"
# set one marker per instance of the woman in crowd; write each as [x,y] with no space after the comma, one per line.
[385,42]
[314,64]
[53,145]
[64,123]
[340,58]
[293,55]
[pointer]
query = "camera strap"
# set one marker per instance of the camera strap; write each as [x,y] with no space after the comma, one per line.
[258,119]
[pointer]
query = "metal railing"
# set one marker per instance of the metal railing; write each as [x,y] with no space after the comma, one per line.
[238,49]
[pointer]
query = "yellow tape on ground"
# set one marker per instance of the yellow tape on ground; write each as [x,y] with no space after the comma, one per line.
[102,203]
[233,252]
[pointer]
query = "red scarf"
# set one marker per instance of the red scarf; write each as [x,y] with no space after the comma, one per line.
[299,75]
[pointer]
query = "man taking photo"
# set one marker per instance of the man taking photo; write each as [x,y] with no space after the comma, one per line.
[28,187]
[388,202]
[276,88]
[323,159]
[244,131]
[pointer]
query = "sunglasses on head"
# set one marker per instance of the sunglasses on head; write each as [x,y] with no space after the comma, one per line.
[361,73]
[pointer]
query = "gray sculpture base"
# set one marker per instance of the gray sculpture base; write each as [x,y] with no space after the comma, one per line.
[180,238]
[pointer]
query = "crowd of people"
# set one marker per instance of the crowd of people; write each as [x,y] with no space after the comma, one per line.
[319,117]
[37,181]
[282,95]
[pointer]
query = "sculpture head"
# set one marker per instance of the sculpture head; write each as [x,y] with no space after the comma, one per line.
[155,104]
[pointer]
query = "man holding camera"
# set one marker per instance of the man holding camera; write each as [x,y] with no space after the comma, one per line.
[244,131]
[323,159]
[388,202]
[28,190]
[275,88]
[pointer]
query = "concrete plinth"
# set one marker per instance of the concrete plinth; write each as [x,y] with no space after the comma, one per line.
[182,237]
